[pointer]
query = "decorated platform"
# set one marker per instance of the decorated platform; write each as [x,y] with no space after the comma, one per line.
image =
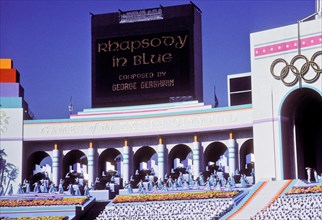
[44,205]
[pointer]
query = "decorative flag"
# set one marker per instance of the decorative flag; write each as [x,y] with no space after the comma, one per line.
[216,99]
[70,106]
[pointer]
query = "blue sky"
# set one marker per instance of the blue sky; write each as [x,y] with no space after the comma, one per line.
[50,43]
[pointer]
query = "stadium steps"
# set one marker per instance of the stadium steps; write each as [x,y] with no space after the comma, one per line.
[290,186]
[300,182]
[258,199]
[241,203]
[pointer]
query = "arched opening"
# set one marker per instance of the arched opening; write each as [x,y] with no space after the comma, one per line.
[145,160]
[246,154]
[180,159]
[109,162]
[144,163]
[39,166]
[75,165]
[216,155]
[301,124]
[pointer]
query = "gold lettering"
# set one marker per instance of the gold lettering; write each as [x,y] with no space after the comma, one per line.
[157,44]
[102,47]
[137,76]
[145,59]
[166,38]
[177,41]
[145,43]
[161,73]
[110,46]
[167,58]
[133,43]
[157,84]
[181,42]
[126,45]
[123,77]
[137,60]
[119,61]
[157,60]
[124,86]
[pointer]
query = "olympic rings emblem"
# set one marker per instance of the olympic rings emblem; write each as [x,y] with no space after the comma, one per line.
[297,71]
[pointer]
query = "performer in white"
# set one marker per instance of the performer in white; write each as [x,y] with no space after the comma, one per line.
[308,171]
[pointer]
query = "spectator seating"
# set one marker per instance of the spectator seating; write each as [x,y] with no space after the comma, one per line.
[188,209]
[296,206]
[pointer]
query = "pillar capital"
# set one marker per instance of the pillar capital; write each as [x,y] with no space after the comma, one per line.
[160,140]
[195,138]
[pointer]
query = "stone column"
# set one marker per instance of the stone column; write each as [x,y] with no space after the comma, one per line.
[160,158]
[90,168]
[126,166]
[55,172]
[195,156]
[231,153]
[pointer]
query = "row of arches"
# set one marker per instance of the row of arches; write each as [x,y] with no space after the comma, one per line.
[299,141]
[144,157]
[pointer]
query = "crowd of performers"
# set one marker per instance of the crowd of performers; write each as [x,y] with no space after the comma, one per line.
[213,181]
[70,185]
[45,185]
[315,177]
[179,179]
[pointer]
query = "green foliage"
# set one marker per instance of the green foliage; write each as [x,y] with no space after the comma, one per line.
[8,172]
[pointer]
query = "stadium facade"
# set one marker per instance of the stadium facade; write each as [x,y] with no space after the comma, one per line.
[277,130]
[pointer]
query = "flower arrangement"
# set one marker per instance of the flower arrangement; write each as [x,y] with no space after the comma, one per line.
[175,196]
[43,201]
[304,190]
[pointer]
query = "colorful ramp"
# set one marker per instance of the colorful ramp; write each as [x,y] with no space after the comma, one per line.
[262,197]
